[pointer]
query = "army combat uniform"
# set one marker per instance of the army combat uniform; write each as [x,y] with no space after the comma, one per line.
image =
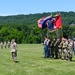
[70,50]
[14,50]
[64,47]
[60,50]
[52,48]
[56,48]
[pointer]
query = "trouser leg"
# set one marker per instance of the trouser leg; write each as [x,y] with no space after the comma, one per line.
[56,53]
[52,52]
[45,50]
[65,53]
[48,52]
[14,56]
[60,53]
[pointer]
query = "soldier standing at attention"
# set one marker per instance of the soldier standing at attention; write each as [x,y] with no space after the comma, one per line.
[70,49]
[5,44]
[1,45]
[8,44]
[65,44]
[60,49]
[52,48]
[48,47]
[56,48]
[45,46]
[14,50]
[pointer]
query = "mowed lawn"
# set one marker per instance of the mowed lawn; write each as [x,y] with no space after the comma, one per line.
[31,62]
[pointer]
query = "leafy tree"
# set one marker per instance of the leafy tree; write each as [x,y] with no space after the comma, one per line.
[24,28]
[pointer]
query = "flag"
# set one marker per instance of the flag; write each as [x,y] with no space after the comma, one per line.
[40,22]
[50,25]
[53,23]
[58,22]
[44,22]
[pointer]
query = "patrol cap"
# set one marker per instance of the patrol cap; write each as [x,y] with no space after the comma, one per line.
[13,40]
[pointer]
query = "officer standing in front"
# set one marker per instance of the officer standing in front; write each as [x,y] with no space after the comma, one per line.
[14,50]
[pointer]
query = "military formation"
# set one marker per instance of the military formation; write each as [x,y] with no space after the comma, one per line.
[13,48]
[58,48]
[5,44]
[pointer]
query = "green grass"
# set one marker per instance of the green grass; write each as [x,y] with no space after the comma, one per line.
[31,62]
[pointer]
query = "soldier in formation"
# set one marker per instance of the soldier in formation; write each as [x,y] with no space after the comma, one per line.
[46,47]
[64,48]
[5,44]
[60,48]
[1,44]
[70,50]
[52,48]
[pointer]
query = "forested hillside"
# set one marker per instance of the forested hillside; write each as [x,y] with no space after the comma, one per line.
[24,28]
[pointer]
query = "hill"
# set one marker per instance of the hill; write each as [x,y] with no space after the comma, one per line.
[67,18]
[24,27]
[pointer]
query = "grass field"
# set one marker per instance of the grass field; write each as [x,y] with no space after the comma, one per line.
[31,62]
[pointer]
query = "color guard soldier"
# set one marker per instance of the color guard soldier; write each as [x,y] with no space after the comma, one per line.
[70,50]
[56,44]
[64,47]
[60,49]
[52,48]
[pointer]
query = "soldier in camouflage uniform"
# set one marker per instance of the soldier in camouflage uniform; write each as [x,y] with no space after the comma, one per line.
[60,49]
[14,50]
[64,47]
[52,48]
[70,50]
[1,45]
[56,48]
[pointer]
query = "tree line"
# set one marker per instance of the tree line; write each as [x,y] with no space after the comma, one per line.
[24,29]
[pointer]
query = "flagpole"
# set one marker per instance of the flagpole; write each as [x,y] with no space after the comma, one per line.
[61,32]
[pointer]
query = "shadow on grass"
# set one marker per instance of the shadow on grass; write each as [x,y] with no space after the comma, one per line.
[58,59]
[16,61]
[72,60]
[50,57]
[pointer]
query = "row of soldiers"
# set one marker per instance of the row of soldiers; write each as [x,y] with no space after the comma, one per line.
[58,48]
[13,48]
[5,44]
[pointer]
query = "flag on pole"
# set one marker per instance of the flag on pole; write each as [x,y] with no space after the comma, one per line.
[50,22]
[40,22]
[58,22]
[44,22]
